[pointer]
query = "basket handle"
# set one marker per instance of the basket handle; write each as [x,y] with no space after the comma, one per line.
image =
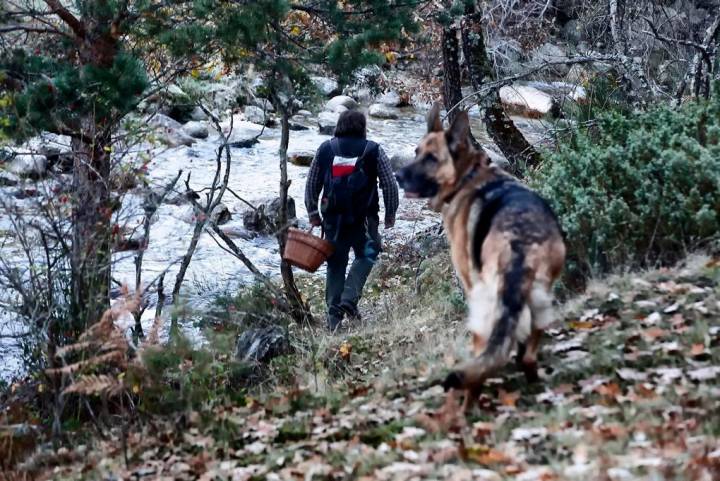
[322,230]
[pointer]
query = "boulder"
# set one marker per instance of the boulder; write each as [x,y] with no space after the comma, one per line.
[262,344]
[255,115]
[562,90]
[327,122]
[220,215]
[196,129]
[303,159]
[573,32]
[170,131]
[263,104]
[304,113]
[549,52]
[33,166]
[244,134]
[393,99]
[527,101]
[401,159]
[8,180]
[165,122]
[326,86]
[334,103]
[381,111]
[364,95]
[297,127]
[198,114]
[577,74]
[496,158]
[265,218]
[237,232]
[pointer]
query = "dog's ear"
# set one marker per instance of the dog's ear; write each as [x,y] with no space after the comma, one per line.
[458,134]
[434,124]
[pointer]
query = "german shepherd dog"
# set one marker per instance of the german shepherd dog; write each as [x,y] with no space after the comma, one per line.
[506,246]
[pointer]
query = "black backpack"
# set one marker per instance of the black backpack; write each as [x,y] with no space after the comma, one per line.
[346,198]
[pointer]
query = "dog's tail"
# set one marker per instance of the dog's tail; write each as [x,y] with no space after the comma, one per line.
[513,297]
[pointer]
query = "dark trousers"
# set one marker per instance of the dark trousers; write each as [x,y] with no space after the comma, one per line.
[364,240]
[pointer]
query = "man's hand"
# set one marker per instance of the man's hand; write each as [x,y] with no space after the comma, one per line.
[315,221]
[389,224]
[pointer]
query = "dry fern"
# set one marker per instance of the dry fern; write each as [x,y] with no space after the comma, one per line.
[102,348]
[92,384]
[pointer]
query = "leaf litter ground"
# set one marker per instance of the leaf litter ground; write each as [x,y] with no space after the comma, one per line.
[630,390]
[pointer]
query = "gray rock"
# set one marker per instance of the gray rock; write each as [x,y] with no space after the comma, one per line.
[390,98]
[28,165]
[364,95]
[263,104]
[496,158]
[262,344]
[573,31]
[265,218]
[327,86]
[196,129]
[162,120]
[198,114]
[170,131]
[244,135]
[304,113]
[577,74]
[549,52]
[348,103]
[381,111]
[255,114]
[8,180]
[527,101]
[237,232]
[220,215]
[327,122]
[401,159]
[298,127]
[302,159]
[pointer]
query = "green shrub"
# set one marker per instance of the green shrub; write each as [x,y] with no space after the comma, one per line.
[638,190]
[178,376]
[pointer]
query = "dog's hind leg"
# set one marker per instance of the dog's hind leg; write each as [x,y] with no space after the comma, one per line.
[542,316]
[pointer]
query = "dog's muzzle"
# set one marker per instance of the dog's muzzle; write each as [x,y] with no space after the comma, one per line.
[414,180]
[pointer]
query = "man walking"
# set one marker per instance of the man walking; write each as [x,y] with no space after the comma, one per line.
[346,169]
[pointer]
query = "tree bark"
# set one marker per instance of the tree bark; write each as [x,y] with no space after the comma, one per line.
[513,144]
[91,235]
[617,29]
[452,81]
[300,310]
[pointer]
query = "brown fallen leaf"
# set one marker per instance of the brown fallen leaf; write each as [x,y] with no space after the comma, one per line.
[508,399]
[345,350]
[580,325]
[697,349]
[653,333]
[483,454]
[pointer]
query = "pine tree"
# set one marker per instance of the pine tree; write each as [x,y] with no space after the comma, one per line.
[79,67]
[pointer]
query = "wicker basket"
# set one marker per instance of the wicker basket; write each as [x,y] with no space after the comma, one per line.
[305,250]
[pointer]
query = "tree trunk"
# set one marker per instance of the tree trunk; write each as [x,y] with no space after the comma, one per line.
[513,144]
[92,227]
[300,310]
[617,30]
[452,93]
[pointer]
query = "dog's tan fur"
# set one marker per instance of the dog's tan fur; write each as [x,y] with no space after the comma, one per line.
[543,251]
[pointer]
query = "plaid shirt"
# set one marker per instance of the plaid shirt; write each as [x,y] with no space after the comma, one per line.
[391,198]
